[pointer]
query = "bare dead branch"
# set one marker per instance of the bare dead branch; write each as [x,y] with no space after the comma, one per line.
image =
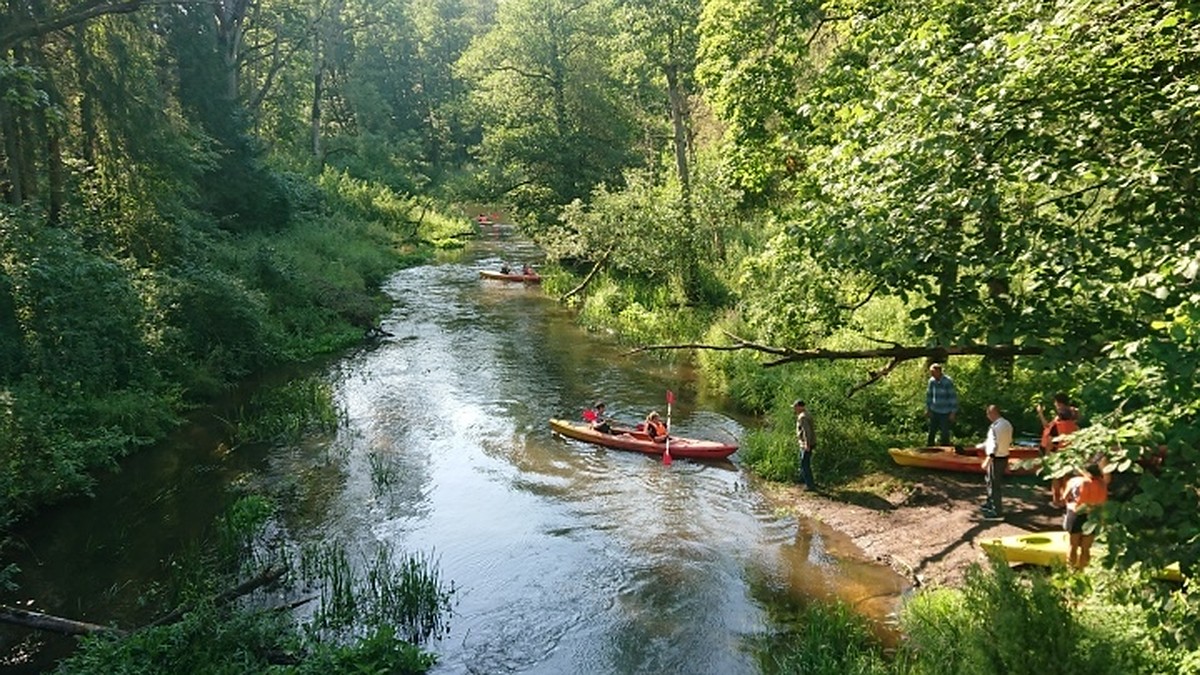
[55,624]
[267,576]
[896,352]
[873,377]
[588,279]
[858,304]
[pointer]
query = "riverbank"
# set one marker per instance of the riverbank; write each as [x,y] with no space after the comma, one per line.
[928,526]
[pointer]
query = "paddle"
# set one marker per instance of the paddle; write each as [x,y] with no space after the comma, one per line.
[667,452]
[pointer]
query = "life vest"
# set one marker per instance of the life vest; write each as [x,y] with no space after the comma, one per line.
[1058,427]
[656,429]
[1091,491]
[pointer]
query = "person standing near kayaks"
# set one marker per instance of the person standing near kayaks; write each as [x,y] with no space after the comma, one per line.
[995,461]
[1066,421]
[941,405]
[806,439]
[1081,494]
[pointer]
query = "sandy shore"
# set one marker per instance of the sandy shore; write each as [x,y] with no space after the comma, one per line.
[929,531]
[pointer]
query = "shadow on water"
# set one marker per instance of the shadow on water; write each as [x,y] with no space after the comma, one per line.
[568,558]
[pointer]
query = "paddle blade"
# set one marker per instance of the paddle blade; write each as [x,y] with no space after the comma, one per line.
[667,456]
[589,415]
[670,397]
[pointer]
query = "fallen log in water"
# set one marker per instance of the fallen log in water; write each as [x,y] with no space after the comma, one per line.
[54,624]
[57,624]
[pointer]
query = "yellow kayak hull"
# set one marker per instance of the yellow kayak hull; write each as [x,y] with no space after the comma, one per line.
[1049,548]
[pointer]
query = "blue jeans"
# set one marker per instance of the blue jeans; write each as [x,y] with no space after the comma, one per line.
[939,424]
[806,469]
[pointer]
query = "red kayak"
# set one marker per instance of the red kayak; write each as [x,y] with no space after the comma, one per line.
[947,459]
[638,441]
[534,278]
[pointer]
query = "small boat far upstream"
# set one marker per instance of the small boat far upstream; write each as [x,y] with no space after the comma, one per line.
[638,441]
[532,278]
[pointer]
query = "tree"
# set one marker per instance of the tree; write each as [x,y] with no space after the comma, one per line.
[1019,173]
[555,123]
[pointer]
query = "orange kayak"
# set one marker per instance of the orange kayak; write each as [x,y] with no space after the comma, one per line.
[637,441]
[946,458]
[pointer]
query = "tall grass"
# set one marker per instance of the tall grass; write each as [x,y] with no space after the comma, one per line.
[825,639]
[406,594]
[370,619]
[287,413]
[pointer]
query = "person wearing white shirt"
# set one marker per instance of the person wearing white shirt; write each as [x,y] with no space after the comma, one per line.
[995,461]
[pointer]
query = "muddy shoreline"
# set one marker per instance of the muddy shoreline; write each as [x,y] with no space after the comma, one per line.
[928,530]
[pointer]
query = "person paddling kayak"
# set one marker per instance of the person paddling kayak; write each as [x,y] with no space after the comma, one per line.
[656,429]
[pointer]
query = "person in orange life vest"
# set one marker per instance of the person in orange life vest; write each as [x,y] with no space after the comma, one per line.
[597,419]
[656,429]
[1083,493]
[1066,421]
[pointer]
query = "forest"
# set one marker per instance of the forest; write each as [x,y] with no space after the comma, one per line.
[797,194]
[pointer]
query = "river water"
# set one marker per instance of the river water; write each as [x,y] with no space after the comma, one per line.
[566,558]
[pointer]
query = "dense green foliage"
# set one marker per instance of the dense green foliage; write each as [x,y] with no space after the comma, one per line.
[954,174]
[194,194]
[1000,622]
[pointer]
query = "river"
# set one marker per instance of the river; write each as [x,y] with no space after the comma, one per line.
[565,557]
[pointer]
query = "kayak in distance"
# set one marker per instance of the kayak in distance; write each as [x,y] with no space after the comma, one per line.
[637,441]
[532,278]
[964,460]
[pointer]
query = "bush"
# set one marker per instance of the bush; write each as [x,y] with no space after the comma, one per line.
[368,622]
[1006,622]
[827,639]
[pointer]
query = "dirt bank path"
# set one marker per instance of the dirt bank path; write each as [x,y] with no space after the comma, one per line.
[928,530]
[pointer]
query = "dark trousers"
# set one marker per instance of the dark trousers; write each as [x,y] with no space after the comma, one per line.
[995,481]
[806,468]
[939,425]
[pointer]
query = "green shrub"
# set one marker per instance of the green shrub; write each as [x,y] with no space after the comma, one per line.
[1005,622]
[824,639]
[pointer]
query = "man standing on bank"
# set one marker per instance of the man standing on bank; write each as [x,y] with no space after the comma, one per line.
[806,438]
[941,405]
[995,461]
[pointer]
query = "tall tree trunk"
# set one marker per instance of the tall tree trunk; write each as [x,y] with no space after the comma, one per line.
[14,192]
[679,114]
[50,131]
[231,33]
[87,105]
[24,155]
[314,115]
[946,317]
[56,173]
[998,282]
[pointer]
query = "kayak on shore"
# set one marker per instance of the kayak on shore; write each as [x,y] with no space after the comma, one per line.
[1049,548]
[637,441]
[949,458]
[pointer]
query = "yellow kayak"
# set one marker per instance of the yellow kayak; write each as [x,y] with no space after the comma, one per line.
[1048,548]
